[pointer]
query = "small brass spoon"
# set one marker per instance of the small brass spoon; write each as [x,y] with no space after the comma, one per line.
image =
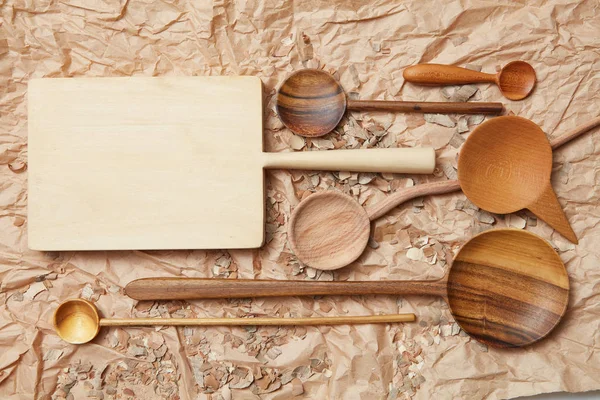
[77,321]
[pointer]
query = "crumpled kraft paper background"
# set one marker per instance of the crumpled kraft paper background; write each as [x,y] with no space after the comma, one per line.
[366,45]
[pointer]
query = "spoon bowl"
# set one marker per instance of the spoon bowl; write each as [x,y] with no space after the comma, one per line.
[76,321]
[507,288]
[311,102]
[516,80]
[329,230]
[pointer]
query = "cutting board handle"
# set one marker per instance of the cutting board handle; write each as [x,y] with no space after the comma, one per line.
[395,160]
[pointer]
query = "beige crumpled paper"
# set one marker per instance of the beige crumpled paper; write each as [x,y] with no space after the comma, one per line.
[367,45]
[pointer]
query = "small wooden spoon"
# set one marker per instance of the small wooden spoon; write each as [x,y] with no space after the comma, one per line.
[504,166]
[77,321]
[505,288]
[516,80]
[311,103]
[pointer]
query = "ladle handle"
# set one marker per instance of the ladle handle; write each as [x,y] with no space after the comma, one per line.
[438,74]
[396,160]
[346,320]
[576,132]
[200,288]
[426,107]
[403,195]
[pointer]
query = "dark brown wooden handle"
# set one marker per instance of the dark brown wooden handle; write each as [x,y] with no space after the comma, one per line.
[198,288]
[438,74]
[426,107]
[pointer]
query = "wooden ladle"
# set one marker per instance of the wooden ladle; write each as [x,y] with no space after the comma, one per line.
[77,321]
[505,288]
[311,103]
[516,80]
[504,166]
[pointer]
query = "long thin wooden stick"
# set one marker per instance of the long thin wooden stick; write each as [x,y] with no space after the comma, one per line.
[347,320]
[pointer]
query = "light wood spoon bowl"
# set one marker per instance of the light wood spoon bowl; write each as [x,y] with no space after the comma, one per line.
[516,80]
[505,166]
[312,103]
[505,288]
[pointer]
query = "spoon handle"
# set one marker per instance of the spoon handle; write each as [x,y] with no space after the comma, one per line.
[200,288]
[438,74]
[397,160]
[426,107]
[346,320]
[403,195]
[576,132]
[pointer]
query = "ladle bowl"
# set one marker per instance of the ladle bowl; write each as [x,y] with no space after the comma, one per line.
[76,321]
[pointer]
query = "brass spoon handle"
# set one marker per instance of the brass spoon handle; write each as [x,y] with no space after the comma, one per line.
[199,288]
[426,107]
[438,74]
[346,320]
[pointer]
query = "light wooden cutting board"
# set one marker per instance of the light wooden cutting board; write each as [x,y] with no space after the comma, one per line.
[162,163]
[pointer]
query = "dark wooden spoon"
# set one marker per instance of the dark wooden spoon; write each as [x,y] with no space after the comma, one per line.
[311,103]
[505,288]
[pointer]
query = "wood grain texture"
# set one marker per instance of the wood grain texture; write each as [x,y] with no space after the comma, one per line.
[328,230]
[162,163]
[506,288]
[311,103]
[516,80]
[426,107]
[416,160]
[145,163]
[77,321]
[201,288]
[505,166]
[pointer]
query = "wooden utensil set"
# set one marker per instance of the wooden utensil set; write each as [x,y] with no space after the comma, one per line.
[505,288]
